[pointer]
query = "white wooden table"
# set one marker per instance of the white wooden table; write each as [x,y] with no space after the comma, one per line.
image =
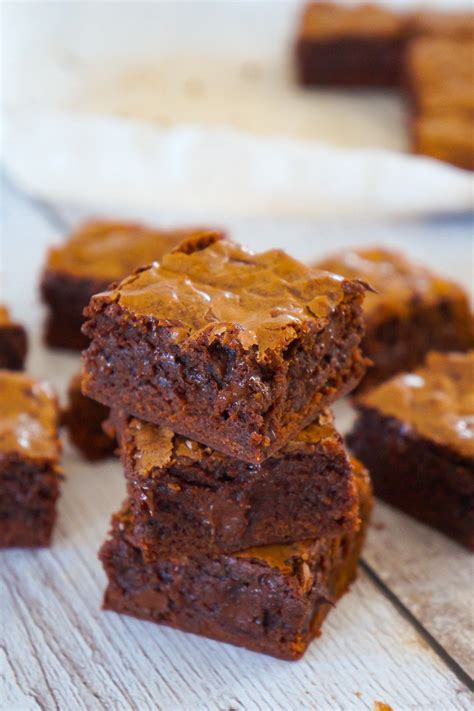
[403,636]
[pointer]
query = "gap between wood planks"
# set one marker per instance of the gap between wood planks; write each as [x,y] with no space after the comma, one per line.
[437,648]
[55,220]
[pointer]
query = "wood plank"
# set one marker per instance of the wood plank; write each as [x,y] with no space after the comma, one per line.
[431,575]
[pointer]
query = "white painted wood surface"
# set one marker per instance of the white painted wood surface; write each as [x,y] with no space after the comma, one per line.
[60,651]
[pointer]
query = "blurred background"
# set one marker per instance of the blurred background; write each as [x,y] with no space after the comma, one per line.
[177,112]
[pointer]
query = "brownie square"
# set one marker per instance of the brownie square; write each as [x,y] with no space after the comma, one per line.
[432,23]
[236,350]
[29,460]
[95,255]
[13,342]
[415,433]
[187,497]
[411,311]
[349,46]
[440,75]
[270,599]
[83,419]
[447,137]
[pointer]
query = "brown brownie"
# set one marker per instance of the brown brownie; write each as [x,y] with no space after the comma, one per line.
[94,256]
[29,460]
[440,75]
[415,433]
[13,342]
[411,312]
[187,497]
[270,599]
[236,350]
[359,45]
[432,23]
[447,137]
[83,419]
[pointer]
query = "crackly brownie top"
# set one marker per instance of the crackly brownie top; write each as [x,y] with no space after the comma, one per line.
[28,417]
[156,448]
[397,281]
[437,400]
[209,286]
[325,20]
[110,250]
[445,24]
[441,71]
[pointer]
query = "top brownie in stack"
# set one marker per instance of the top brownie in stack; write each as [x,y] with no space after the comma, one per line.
[97,254]
[236,350]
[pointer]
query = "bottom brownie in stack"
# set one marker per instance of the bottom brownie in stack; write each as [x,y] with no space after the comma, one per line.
[271,599]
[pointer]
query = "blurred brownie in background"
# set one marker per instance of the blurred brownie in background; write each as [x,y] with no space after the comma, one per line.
[95,255]
[83,419]
[13,342]
[271,599]
[29,460]
[411,312]
[447,137]
[415,433]
[432,23]
[349,45]
[439,75]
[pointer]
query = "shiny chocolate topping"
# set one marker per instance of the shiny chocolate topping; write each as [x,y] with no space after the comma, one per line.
[28,416]
[436,400]
[209,286]
[396,280]
[110,250]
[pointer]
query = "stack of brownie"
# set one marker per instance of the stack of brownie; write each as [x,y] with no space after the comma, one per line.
[244,518]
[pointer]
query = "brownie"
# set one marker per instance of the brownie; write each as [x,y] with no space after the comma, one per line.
[447,137]
[415,433]
[95,255]
[188,497]
[13,342]
[271,599]
[236,350]
[29,460]
[432,23]
[411,311]
[83,419]
[440,75]
[350,46]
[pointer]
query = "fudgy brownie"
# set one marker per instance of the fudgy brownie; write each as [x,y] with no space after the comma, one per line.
[29,460]
[270,599]
[340,45]
[95,255]
[83,419]
[13,342]
[236,350]
[411,312]
[446,137]
[188,497]
[440,75]
[415,433]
